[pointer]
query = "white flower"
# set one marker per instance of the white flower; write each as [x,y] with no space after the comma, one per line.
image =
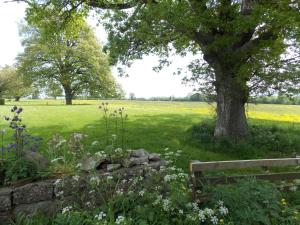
[214,220]
[180,211]
[195,206]
[78,165]
[220,203]
[57,181]
[76,178]
[88,204]
[170,177]
[119,191]
[95,180]
[118,150]
[95,143]
[55,160]
[223,210]
[114,137]
[166,204]
[293,188]
[142,192]
[101,154]
[120,219]
[100,216]
[201,215]
[60,193]
[109,177]
[158,199]
[66,209]
[209,212]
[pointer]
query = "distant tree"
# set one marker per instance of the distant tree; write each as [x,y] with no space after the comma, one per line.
[120,93]
[69,58]
[12,84]
[6,79]
[132,96]
[197,97]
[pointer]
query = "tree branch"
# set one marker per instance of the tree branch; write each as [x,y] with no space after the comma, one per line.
[107,5]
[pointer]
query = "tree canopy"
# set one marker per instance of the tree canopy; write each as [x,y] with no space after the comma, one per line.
[70,59]
[242,47]
[12,84]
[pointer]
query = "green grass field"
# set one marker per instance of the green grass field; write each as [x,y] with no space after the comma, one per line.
[151,125]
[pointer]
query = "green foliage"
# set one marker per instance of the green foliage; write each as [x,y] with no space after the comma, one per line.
[12,84]
[70,59]
[115,122]
[255,202]
[261,139]
[19,168]
[162,198]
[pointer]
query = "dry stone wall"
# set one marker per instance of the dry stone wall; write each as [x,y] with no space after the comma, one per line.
[45,196]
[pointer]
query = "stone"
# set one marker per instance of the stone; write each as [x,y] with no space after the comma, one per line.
[127,163]
[91,163]
[36,158]
[33,192]
[112,167]
[134,171]
[69,186]
[139,153]
[5,219]
[5,199]
[50,208]
[88,164]
[154,157]
[139,161]
[157,164]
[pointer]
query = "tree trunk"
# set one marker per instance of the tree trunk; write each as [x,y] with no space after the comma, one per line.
[231,98]
[17,98]
[68,95]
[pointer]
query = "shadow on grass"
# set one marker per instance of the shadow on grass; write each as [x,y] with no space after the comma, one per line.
[157,132]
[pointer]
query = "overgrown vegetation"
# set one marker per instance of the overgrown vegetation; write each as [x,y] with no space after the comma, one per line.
[262,140]
[164,197]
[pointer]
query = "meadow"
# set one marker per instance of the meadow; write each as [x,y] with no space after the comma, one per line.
[155,126]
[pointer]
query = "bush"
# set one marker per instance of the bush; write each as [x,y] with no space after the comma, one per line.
[19,168]
[260,140]
[2,101]
[253,202]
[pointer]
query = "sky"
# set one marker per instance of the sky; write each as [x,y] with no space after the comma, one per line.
[142,80]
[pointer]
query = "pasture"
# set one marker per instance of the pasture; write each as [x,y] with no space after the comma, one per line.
[159,125]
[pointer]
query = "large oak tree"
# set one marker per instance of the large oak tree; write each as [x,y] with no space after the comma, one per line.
[69,58]
[243,47]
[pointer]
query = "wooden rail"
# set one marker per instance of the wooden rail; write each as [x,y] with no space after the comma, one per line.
[197,168]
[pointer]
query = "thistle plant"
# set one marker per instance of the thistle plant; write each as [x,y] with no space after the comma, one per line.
[123,118]
[104,108]
[119,117]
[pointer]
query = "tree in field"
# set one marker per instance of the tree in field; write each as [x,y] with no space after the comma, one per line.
[6,75]
[70,59]
[242,47]
[12,84]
